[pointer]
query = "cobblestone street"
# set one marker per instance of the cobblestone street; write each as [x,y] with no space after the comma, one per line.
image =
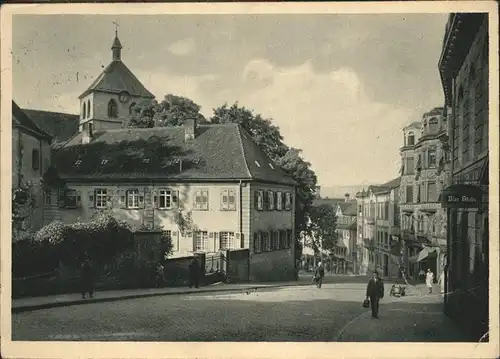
[294,313]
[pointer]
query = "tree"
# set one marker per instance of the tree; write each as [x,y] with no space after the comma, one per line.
[269,139]
[172,111]
[323,226]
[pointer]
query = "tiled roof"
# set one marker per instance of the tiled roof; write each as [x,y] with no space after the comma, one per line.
[20,118]
[116,78]
[351,210]
[218,152]
[346,205]
[61,126]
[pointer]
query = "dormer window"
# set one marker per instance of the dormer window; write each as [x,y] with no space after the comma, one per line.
[78,162]
[112,109]
[145,160]
[104,161]
[411,139]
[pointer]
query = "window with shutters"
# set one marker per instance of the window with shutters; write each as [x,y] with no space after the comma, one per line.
[226,240]
[200,240]
[288,201]
[132,196]
[279,201]
[270,200]
[266,242]
[228,200]
[282,235]
[259,200]
[101,198]
[71,198]
[257,242]
[167,198]
[201,200]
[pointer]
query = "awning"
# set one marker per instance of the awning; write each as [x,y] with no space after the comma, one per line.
[426,252]
[461,196]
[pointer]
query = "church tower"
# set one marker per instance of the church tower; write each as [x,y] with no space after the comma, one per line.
[109,100]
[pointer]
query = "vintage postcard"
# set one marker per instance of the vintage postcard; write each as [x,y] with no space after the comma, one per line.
[247,180]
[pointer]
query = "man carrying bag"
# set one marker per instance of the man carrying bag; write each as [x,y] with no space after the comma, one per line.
[374,292]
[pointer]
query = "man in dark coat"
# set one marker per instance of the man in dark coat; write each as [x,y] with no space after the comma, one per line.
[319,274]
[87,277]
[375,292]
[194,273]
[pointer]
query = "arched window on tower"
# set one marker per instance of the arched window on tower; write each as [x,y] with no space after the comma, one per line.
[112,109]
[411,139]
[131,108]
[84,111]
[88,108]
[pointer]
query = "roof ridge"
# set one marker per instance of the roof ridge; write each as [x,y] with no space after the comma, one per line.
[243,150]
[54,112]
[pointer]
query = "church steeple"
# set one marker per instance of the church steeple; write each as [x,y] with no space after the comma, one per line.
[117,47]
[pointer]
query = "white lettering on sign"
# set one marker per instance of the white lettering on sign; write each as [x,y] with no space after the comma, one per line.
[466,199]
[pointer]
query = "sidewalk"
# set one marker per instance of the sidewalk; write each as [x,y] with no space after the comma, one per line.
[35,303]
[420,320]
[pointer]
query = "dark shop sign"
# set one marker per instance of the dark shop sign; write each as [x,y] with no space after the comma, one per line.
[461,196]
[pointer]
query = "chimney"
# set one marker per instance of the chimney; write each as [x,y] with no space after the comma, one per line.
[347,197]
[190,129]
[87,132]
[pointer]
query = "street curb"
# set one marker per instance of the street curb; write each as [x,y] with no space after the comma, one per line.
[28,308]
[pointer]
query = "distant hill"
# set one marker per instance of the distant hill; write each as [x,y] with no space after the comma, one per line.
[340,191]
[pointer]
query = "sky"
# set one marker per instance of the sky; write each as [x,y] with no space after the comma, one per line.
[339,86]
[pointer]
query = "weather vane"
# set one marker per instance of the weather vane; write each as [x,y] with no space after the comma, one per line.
[116,27]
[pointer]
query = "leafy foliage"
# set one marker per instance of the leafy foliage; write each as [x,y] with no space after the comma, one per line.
[269,139]
[172,111]
[23,204]
[323,225]
[102,238]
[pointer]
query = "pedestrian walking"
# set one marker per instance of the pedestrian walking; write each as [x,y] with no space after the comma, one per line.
[375,292]
[194,273]
[429,279]
[160,275]
[87,277]
[319,274]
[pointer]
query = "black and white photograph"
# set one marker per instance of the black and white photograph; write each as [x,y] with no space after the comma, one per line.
[276,174]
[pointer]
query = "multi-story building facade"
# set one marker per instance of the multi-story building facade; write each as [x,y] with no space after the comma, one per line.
[344,254]
[425,173]
[464,70]
[30,159]
[209,186]
[378,225]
